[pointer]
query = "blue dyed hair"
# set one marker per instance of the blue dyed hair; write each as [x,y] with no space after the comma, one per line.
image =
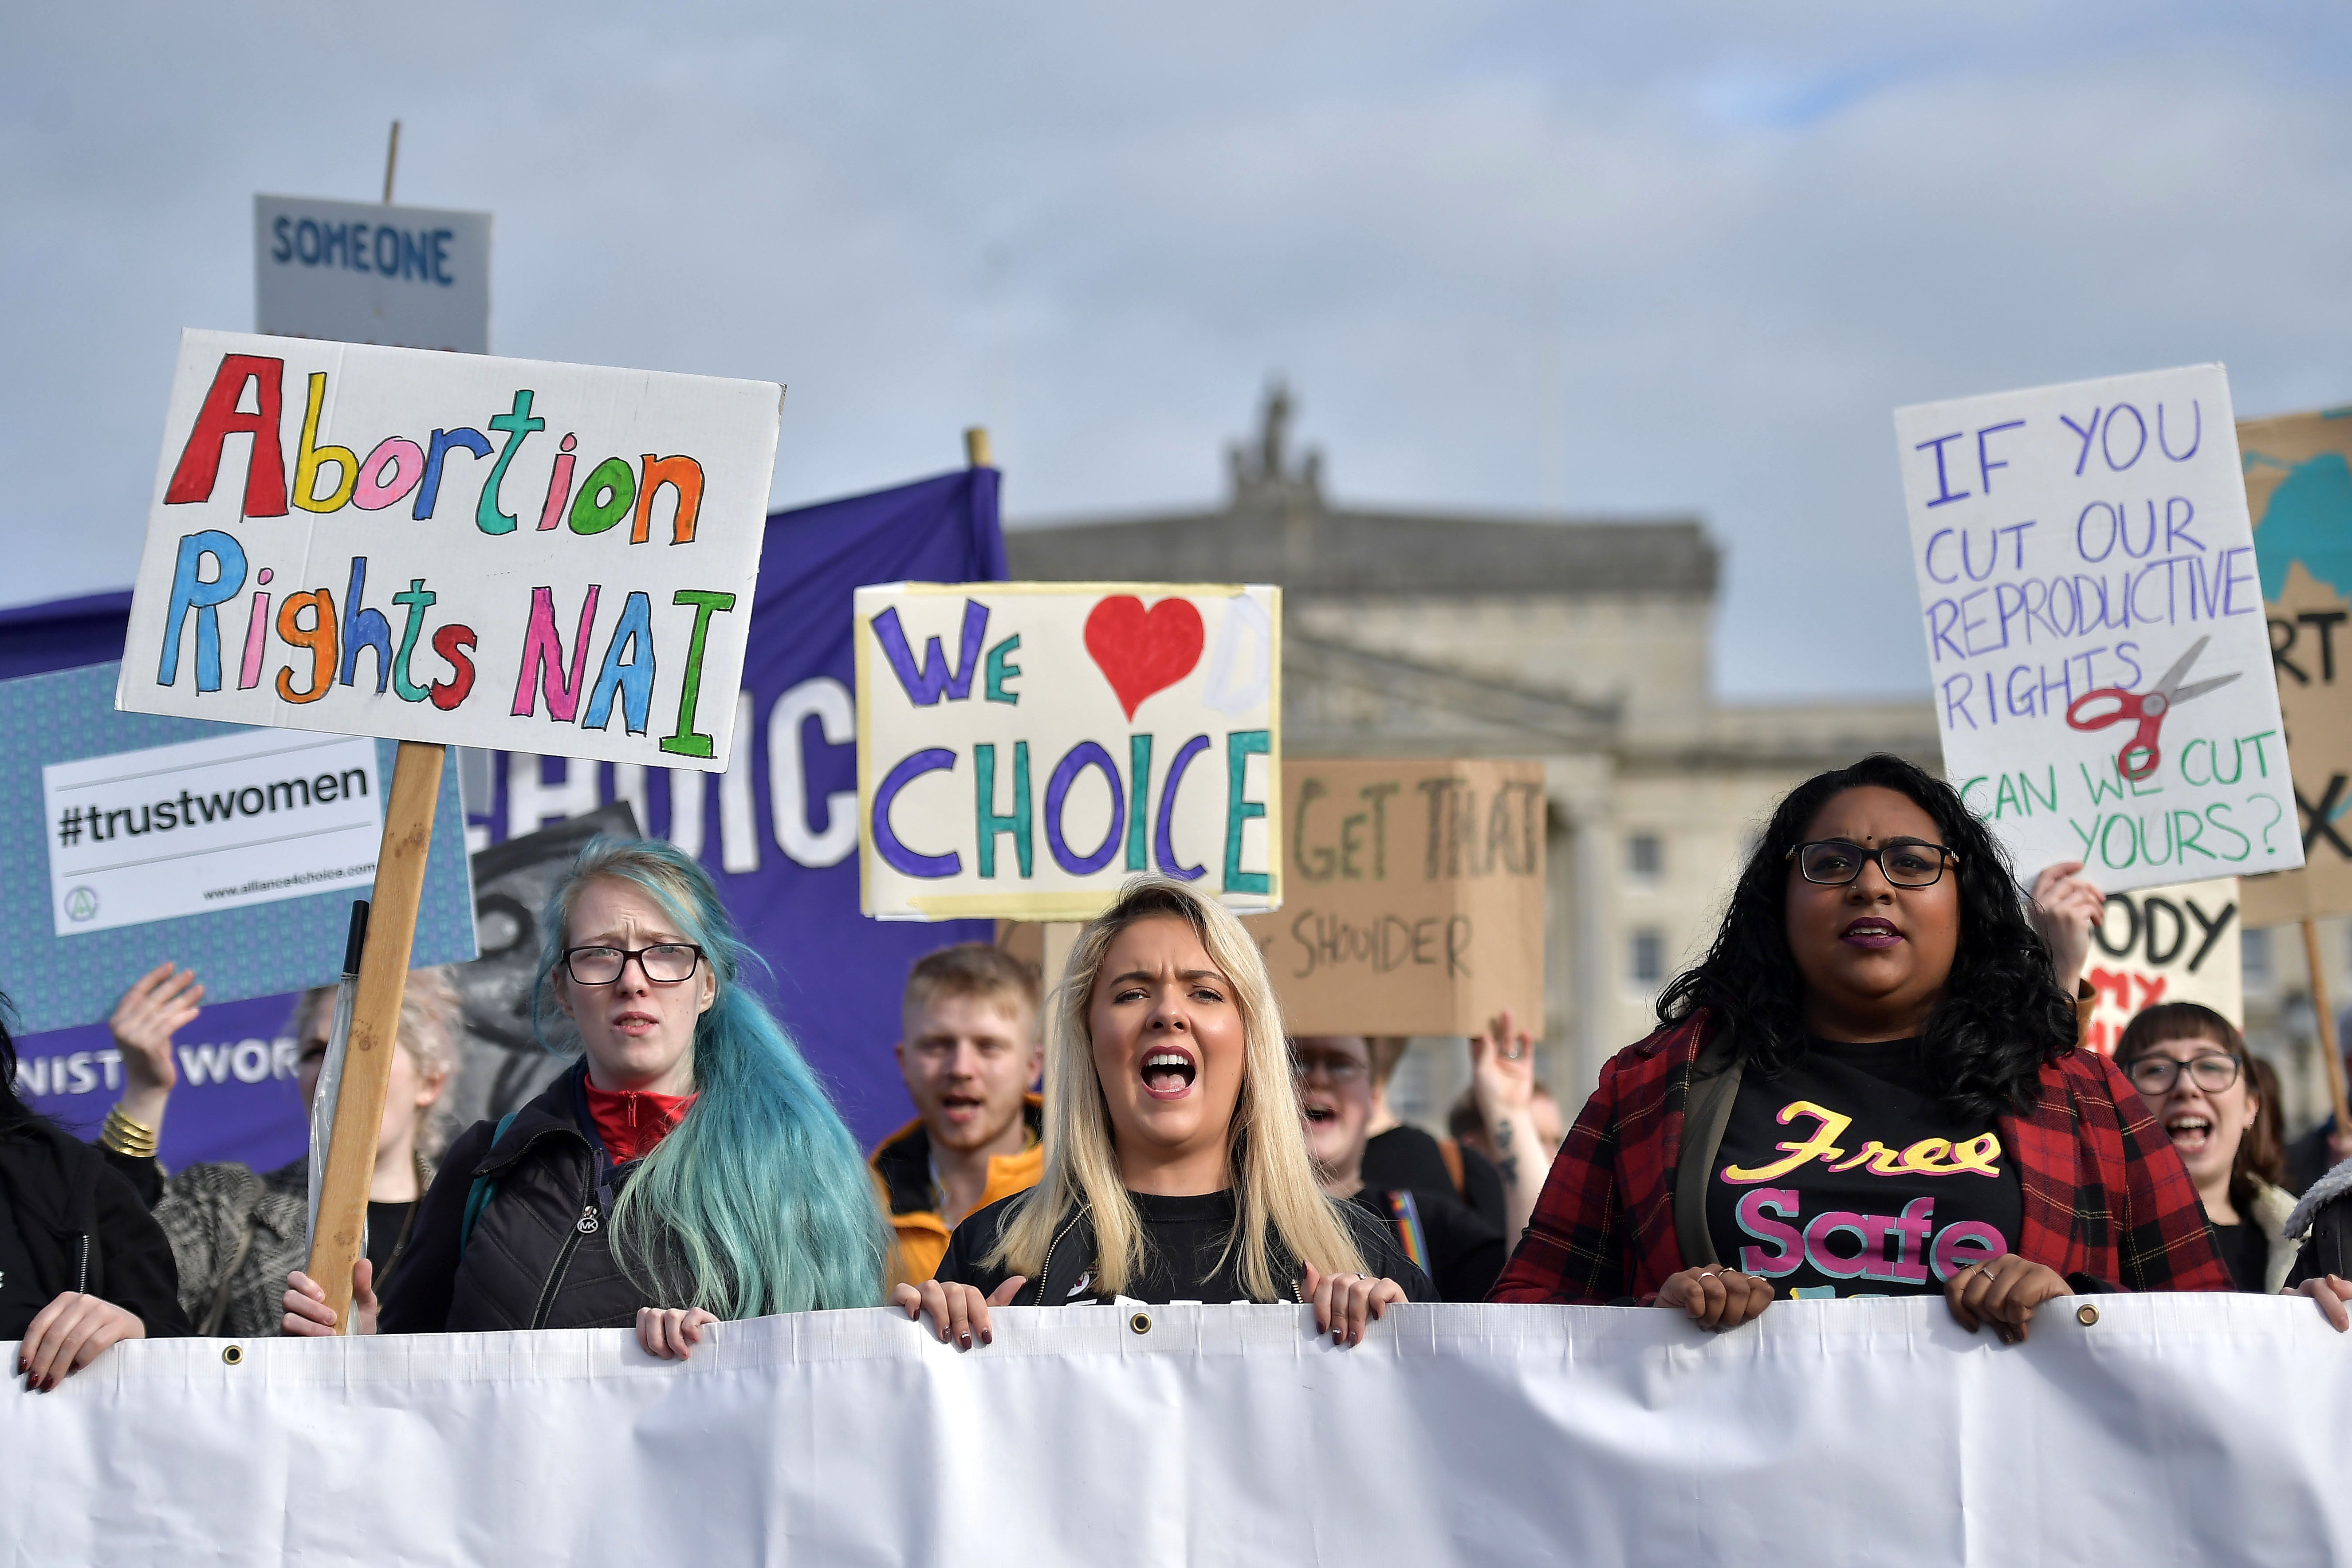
[761,1190]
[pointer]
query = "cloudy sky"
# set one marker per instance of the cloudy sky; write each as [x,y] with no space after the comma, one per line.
[1512,257]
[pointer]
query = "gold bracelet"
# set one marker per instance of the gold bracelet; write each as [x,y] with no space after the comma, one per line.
[120,1135]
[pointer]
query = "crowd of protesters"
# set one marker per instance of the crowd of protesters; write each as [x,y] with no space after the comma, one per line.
[1871,1084]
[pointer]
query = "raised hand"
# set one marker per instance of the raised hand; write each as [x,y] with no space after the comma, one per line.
[159,1004]
[2067,905]
[1503,1081]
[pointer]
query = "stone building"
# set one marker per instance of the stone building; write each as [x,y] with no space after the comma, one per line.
[1582,642]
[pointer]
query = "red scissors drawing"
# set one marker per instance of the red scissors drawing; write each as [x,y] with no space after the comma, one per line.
[2138,757]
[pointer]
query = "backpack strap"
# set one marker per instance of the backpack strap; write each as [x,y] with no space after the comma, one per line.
[1450,1150]
[485,1188]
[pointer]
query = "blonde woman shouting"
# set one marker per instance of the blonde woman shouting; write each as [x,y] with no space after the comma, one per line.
[1176,1164]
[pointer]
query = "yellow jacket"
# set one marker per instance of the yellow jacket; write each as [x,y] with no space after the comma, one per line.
[902,1173]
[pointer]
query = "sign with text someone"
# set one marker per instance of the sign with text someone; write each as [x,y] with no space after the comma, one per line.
[354,272]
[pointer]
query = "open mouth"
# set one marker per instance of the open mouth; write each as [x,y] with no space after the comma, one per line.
[1872,932]
[1169,1073]
[2190,1133]
[959,1107]
[1321,1113]
[636,1025]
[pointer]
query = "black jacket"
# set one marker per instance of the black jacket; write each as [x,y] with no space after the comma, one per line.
[85,1228]
[2326,1210]
[1406,1159]
[1072,1256]
[541,1254]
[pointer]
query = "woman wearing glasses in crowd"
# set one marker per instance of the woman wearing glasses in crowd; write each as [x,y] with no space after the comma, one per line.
[1176,1166]
[2191,1066]
[1869,1085]
[688,1169]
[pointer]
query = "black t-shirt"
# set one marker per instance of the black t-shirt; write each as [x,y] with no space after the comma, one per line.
[1459,1251]
[1842,1176]
[20,1294]
[1184,1249]
[387,1229]
[2245,1251]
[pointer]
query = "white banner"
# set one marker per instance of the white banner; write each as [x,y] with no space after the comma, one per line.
[2171,1429]
[248,818]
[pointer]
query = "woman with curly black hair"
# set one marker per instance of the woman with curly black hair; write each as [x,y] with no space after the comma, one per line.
[1869,1085]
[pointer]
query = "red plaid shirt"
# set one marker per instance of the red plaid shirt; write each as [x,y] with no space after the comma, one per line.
[2107,1202]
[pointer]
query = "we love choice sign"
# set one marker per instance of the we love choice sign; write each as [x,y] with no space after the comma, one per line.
[1025,747]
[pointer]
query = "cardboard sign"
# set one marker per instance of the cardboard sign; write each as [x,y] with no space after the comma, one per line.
[1415,903]
[549,558]
[2166,944]
[234,852]
[416,278]
[2095,628]
[2299,490]
[1023,747]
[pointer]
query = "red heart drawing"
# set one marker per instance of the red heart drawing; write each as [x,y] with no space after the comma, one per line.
[1142,651]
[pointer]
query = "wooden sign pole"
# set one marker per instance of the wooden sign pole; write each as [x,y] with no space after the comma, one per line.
[375,1021]
[2325,1017]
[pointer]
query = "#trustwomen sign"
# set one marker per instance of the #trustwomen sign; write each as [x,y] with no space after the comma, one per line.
[2096,630]
[507,554]
[1022,748]
[129,838]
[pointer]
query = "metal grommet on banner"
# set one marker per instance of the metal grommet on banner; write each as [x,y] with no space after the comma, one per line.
[233,1355]
[2086,1314]
[1140,1322]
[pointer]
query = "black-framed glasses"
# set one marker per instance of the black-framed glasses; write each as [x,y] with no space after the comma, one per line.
[665,962]
[2154,1076]
[1905,863]
[1333,1066]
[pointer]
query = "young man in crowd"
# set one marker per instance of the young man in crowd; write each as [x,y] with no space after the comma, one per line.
[969,1052]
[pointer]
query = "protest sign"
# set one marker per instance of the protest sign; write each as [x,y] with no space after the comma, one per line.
[129,838]
[1415,900]
[416,278]
[482,564]
[2160,1429]
[780,839]
[1149,714]
[2174,944]
[2096,630]
[2299,491]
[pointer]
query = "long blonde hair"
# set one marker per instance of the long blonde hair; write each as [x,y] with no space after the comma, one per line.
[1275,1193]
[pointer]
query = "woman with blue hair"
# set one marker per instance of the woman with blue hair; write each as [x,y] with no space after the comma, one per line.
[688,1169]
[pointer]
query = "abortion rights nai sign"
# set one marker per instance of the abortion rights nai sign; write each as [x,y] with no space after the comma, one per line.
[507,554]
[2095,627]
[1023,747]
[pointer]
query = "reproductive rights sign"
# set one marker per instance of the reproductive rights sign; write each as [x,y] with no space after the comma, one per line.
[505,554]
[2095,627]
[1023,747]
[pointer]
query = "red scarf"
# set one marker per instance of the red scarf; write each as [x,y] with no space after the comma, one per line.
[632,1120]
